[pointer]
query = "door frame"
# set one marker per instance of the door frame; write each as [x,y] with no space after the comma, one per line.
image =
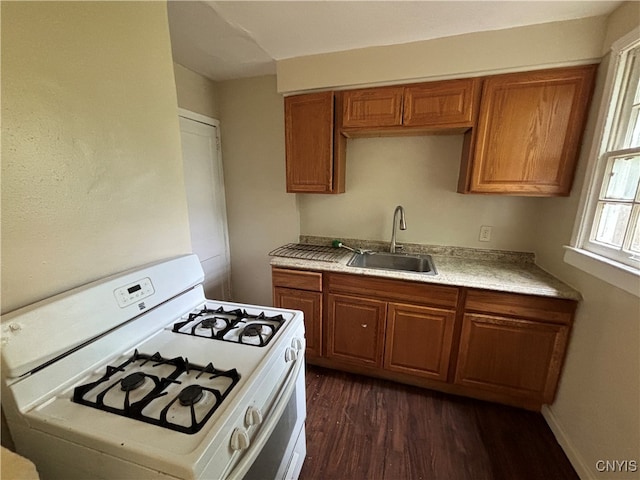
[212,122]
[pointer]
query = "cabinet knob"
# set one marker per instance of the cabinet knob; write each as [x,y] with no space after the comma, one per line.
[364,325]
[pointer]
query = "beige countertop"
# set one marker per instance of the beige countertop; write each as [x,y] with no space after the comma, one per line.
[513,272]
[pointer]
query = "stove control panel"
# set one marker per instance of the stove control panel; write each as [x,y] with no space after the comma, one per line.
[134,293]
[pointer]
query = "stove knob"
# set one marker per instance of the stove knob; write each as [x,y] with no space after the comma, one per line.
[290,354]
[296,343]
[253,416]
[239,439]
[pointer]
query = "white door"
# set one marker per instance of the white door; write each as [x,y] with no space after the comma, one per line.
[204,184]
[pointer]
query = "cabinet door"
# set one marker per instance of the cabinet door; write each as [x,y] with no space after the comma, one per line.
[355,330]
[529,130]
[419,340]
[309,142]
[372,107]
[450,103]
[511,356]
[311,305]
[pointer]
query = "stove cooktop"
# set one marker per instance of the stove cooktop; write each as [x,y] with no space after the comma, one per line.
[168,392]
[236,326]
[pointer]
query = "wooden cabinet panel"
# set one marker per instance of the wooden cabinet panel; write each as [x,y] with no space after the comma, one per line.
[355,330]
[372,107]
[394,290]
[511,356]
[418,340]
[450,103]
[528,135]
[546,309]
[298,279]
[309,143]
[311,305]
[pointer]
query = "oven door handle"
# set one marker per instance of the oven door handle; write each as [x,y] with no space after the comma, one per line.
[261,439]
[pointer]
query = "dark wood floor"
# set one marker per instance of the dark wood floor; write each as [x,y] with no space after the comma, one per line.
[360,428]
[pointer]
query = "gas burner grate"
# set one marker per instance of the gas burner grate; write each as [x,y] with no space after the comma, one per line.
[121,390]
[236,326]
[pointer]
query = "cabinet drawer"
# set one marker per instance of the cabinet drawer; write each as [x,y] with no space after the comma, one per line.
[553,310]
[298,279]
[399,290]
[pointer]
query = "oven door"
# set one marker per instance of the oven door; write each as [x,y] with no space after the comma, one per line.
[280,447]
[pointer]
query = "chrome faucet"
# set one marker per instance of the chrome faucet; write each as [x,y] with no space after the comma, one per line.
[403,226]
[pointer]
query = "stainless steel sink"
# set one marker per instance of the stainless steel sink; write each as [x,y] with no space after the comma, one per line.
[394,261]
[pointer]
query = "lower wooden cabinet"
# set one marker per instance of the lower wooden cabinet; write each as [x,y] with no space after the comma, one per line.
[492,345]
[302,290]
[355,330]
[418,340]
[310,303]
[512,356]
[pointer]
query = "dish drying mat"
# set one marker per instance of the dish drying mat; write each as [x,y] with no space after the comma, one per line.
[310,252]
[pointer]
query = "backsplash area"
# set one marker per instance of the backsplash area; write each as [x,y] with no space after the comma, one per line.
[440,250]
[421,174]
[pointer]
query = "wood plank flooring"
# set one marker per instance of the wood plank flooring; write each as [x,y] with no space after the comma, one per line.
[360,428]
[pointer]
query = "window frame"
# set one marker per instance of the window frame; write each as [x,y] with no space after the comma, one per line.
[582,252]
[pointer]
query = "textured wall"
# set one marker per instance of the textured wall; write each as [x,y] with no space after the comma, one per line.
[92,179]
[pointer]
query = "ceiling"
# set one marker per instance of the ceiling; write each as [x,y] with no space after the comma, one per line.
[223,40]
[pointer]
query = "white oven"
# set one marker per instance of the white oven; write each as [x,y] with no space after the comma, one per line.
[139,376]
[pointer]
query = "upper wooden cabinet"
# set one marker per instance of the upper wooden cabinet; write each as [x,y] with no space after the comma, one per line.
[522,131]
[313,160]
[433,105]
[528,133]
[372,107]
[446,104]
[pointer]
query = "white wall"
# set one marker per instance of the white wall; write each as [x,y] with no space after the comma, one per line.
[497,51]
[261,215]
[92,179]
[196,93]
[421,174]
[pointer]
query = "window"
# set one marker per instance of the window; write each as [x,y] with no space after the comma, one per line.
[615,216]
[608,231]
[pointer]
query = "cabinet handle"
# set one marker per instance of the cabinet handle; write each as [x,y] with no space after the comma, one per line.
[364,325]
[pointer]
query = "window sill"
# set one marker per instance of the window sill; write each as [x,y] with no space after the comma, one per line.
[616,274]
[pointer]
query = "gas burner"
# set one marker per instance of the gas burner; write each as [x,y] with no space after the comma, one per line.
[252,330]
[190,395]
[167,382]
[132,381]
[236,326]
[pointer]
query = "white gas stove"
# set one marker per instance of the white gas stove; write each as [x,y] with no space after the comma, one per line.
[139,376]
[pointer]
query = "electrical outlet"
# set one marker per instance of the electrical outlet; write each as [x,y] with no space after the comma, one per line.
[485,233]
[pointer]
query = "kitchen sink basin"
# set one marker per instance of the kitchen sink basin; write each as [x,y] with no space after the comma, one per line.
[394,261]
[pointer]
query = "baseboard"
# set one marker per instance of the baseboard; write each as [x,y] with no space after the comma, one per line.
[579,465]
